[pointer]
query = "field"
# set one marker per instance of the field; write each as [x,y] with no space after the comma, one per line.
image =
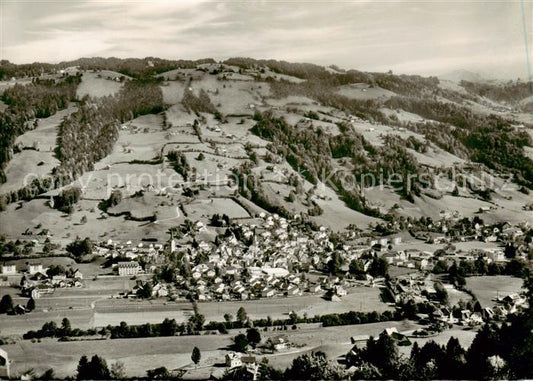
[465,337]
[358,299]
[206,208]
[454,296]
[487,288]
[92,306]
[336,215]
[98,84]
[138,355]
[172,91]
[362,91]
[37,215]
[29,163]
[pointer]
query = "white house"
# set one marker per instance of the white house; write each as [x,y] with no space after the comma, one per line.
[35,268]
[77,274]
[278,343]
[9,269]
[233,360]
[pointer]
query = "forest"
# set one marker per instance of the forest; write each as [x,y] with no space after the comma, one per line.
[132,67]
[311,153]
[40,99]
[89,134]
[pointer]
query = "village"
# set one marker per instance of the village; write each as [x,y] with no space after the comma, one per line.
[276,257]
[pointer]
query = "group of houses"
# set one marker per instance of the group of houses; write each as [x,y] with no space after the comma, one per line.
[36,281]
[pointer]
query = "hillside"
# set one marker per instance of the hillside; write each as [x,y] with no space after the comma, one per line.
[188,139]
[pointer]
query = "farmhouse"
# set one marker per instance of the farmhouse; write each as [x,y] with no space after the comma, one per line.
[233,360]
[35,268]
[128,268]
[77,274]
[277,343]
[9,269]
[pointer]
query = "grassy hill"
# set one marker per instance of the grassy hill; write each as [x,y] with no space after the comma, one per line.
[334,147]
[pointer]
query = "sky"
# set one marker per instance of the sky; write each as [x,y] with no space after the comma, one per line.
[415,37]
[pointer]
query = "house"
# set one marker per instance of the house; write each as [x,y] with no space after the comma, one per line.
[35,268]
[268,293]
[128,268]
[20,309]
[495,255]
[41,290]
[233,360]
[4,364]
[160,290]
[9,269]
[397,240]
[340,291]
[77,274]
[293,292]
[277,343]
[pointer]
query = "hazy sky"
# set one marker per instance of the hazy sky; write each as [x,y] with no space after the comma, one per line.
[425,37]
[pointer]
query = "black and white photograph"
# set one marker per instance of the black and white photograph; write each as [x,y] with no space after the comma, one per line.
[266,190]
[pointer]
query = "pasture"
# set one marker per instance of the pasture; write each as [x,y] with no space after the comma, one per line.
[205,208]
[99,84]
[38,162]
[138,355]
[488,288]
[363,92]
[363,299]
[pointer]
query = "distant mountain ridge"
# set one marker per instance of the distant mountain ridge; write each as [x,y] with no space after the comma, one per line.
[464,75]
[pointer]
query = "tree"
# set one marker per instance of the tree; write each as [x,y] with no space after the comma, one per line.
[253,336]
[118,370]
[79,247]
[169,327]
[379,267]
[96,369]
[114,198]
[197,321]
[240,342]
[49,374]
[454,360]
[6,304]
[196,355]
[335,263]
[30,306]
[483,346]
[228,318]
[83,368]
[54,270]
[242,316]
[441,293]
[160,373]
[313,366]
[382,353]
[510,251]
[145,291]
[65,327]
[357,268]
